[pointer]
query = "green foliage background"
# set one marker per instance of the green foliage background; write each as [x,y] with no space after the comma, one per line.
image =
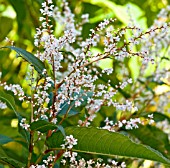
[18,21]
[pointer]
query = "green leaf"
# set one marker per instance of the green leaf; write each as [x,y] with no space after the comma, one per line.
[4,139]
[11,162]
[7,23]
[20,9]
[16,151]
[158,116]
[43,126]
[11,104]
[120,11]
[2,152]
[4,159]
[61,130]
[25,134]
[153,137]
[103,142]
[73,111]
[9,100]
[37,63]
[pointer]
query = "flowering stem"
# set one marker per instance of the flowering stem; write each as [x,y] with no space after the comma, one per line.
[57,156]
[30,149]
[66,114]
[39,158]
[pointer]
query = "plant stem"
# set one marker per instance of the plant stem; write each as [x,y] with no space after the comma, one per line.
[30,149]
[66,114]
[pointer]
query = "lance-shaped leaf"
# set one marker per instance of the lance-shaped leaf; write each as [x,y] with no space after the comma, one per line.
[11,104]
[4,159]
[37,63]
[158,116]
[153,137]
[103,142]
[65,107]
[5,139]
[12,163]
[9,100]
[43,126]
[2,152]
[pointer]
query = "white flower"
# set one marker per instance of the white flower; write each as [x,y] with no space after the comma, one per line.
[54,120]
[114,162]
[67,154]
[32,166]
[123,165]
[150,115]
[50,1]
[77,103]
[63,161]
[25,126]
[3,105]
[70,141]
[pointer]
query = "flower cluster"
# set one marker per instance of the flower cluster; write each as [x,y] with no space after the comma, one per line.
[77,75]
[133,123]
[23,124]
[70,141]
[82,163]
[15,88]
[157,40]
[47,162]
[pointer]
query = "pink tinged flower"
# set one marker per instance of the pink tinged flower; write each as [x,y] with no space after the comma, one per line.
[25,126]
[77,103]
[106,120]
[87,124]
[130,80]
[70,140]
[98,165]
[82,162]
[124,121]
[50,158]
[72,159]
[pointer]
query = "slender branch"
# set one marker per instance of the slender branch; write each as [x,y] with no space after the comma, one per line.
[66,114]
[30,149]
[60,153]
